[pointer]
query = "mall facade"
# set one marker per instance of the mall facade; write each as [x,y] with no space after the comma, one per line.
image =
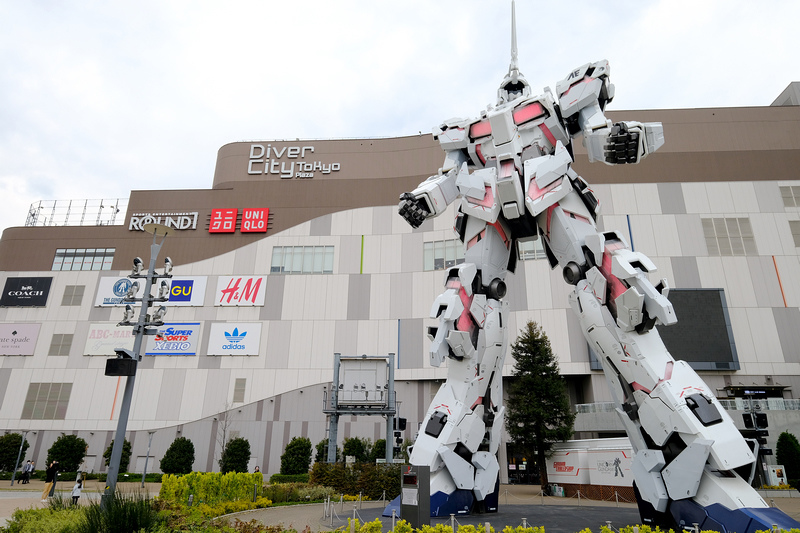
[296,253]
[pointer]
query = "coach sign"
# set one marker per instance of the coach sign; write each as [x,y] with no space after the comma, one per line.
[26,292]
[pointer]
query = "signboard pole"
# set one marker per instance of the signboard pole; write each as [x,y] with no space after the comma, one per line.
[140,329]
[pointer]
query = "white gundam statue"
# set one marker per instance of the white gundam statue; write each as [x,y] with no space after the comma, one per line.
[510,172]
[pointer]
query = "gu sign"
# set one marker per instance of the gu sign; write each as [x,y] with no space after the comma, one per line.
[179,221]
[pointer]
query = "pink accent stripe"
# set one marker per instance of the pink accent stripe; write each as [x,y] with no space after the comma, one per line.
[529,112]
[548,134]
[637,386]
[464,323]
[534,192]
[480,129]
[488,198]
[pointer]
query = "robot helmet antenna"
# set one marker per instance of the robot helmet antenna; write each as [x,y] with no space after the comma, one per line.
[514,85]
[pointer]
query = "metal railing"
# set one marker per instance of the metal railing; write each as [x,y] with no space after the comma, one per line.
[102,212]
[733,404]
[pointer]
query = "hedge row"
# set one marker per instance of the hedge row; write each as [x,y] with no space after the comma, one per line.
[210,487]
[368,479]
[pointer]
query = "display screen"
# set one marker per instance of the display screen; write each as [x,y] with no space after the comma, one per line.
[703,336]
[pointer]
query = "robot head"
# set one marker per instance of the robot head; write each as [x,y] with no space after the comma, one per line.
[514,85]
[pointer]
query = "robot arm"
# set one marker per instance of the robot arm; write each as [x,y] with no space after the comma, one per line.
[431,197]
[583,97]
[624,142]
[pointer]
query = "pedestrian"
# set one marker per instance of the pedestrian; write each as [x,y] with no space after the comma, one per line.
[49,479]
[76,492]
[31,471]
[256,470]
[26,472]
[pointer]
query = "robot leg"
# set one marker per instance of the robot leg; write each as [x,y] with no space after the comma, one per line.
[460,434]
[686,445]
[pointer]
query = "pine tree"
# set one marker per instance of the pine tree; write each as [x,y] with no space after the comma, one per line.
[538,411]
[179,457]
[296,458]
[787,453]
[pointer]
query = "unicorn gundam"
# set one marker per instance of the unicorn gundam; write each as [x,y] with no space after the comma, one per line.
[510,172]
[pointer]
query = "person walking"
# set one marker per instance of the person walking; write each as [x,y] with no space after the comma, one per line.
[26,474]
[76,492]
[49,479]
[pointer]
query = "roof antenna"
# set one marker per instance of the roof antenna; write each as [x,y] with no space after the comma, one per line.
[513,68]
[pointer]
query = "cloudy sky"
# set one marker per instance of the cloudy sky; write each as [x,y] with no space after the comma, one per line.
[98,98]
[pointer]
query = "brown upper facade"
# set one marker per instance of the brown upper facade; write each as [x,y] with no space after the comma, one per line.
[301,180]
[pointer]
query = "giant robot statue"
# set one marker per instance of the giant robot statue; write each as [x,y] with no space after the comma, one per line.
[510,173]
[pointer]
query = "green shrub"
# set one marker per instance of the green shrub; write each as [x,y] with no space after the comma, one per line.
[9,450]
[45,520]
[294,478]
[370,480]
[235,456]
[123,513]
[296,458]
[124,459]
[179,457]
[210,487]
[69,451]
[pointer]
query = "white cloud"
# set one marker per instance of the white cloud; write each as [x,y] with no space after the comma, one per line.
[98,98]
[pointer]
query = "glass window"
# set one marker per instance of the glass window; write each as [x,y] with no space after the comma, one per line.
[794,226]
[238,389]
[438,255]
[46,401]
[277,259]
[302,260]
[729,236]
[427,256]
[83,259]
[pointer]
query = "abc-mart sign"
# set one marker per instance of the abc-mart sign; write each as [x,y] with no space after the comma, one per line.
[231,338]
[178,221]
[183,291]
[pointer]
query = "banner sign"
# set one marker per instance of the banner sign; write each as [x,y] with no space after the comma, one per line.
[104,338]
[179,221]
[184,291]
[175,338]
[240,291]
[611,467]
[18,339]
[242,338]
[25,292]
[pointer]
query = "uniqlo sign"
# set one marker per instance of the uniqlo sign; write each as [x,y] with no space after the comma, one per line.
[223,220]
[254,220]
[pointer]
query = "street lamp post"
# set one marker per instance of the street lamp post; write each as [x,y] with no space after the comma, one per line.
[147,457]
[19,454]
[127,360]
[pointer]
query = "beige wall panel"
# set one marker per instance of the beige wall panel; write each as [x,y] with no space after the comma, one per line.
[739,291]
[624,200]
[294,295]
[191,402]
[362,221]
[379,296]
[744,197]
[789,270]
[336,297]
[367,339]
[342,223]
[349,255]
[696,198]
[743,335]
[767,233]
[665,233]
[387,338]
[644,240]
[765,334]
[647,199]
[144,405]
[720,199]
[322,344]
[391,254]
[603,193]
[300,344]
[539,292]
[711,274]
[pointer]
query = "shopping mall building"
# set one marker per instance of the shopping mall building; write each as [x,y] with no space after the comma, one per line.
[296,253]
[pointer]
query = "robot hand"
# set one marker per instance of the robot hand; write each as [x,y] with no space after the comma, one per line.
[624,143]
[413,209]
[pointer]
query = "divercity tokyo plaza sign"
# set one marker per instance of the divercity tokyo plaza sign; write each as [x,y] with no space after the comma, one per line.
[287,162]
